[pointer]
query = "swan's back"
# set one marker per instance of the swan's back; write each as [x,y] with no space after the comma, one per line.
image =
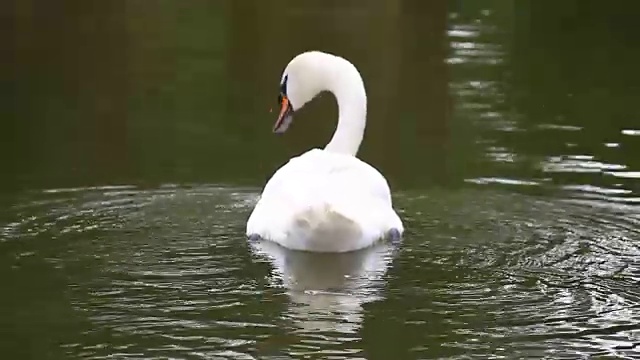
[319,172]
[319,188]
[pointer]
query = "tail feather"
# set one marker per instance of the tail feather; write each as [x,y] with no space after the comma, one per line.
[324,228]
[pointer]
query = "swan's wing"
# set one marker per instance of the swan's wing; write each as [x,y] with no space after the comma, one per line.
[364,196]
[362,177]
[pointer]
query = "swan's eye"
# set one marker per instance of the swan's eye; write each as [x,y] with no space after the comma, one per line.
[283,86]
[283,89]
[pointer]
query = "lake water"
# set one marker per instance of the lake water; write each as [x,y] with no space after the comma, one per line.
[133,154]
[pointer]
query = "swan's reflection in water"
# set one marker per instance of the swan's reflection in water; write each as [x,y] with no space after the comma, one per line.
[327,291]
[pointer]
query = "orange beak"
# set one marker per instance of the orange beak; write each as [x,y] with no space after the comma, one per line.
[284,117]
[283,109]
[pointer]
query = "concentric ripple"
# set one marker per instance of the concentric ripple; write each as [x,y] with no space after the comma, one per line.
[154,273]
[527,277]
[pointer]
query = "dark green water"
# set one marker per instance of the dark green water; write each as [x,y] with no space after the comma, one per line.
[136,135]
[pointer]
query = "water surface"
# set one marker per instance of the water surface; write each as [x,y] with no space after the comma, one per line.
[132,155]
[166,272]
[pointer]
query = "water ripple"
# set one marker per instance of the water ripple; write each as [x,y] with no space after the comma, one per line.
[166,273]
[567,275]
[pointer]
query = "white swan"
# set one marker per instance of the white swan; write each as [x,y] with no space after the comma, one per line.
[325,200]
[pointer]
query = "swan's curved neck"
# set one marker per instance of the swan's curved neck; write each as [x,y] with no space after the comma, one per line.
[348,88]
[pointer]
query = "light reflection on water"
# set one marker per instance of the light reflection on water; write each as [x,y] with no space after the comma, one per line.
[327,292]
[532,152]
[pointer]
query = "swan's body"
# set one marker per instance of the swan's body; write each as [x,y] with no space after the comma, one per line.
[325,200]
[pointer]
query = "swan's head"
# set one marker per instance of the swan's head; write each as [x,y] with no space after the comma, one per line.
[305,76]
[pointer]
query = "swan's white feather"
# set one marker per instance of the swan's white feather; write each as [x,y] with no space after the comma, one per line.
[324,201]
